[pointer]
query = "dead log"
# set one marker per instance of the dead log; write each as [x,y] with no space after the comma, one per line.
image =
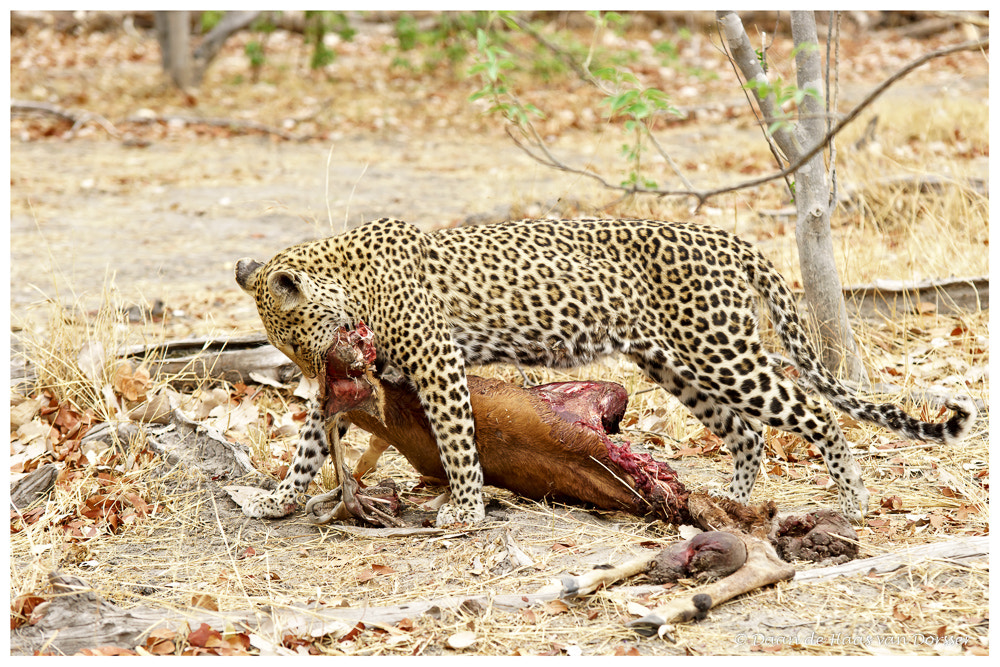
[241,124]
[76,618]
[77,118]
[959,550]
[187,363]
[889,298]
[34,486]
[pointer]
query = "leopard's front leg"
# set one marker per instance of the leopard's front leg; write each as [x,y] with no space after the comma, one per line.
[445,398]
[312,450]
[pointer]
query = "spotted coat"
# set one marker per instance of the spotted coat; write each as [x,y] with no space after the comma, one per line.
[677,299]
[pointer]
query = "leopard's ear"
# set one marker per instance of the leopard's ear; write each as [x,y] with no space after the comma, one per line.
[288,289]
[246,274]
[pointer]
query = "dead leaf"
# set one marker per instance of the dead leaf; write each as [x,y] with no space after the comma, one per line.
[160,646]
[964,511]
[892,504]
[205,637]
[204,601]
[369,573]
[156,410]
[107,650]
[555,607]
[91,360]
[686,451]
[351,634]
[235,419]
[37,431]
[24,412]
[131,385]
[463,639]
[22,607]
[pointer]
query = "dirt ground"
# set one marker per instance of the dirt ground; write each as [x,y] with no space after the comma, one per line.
[94,219]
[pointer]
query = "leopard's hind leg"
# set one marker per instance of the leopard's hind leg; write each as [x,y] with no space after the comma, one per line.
[742,436]
[730,407]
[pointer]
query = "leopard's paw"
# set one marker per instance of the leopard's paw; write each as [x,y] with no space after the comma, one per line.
[264,505]
[451,514]
[854,504]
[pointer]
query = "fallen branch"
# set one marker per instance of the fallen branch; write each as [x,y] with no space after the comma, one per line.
[78,118]
[891,297]
[77,618]
[230,123]
[34,486]
[238,359]
[954,550]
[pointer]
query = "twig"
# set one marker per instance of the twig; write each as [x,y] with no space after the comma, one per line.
[237,123]
[540,152]
[78,118]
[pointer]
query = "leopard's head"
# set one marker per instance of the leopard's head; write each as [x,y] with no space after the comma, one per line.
[301,312]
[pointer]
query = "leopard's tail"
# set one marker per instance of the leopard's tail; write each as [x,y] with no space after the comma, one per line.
[784,317]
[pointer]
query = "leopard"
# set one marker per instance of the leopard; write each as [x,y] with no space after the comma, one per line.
[679,299]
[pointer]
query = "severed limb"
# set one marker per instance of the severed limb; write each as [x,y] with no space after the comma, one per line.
[734,550]
[705,556]
[351,501]
[762,568]
[568,586]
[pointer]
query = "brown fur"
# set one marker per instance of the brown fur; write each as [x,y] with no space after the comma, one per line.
[524,446]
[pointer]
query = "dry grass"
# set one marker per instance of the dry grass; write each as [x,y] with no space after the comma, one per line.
[195,541]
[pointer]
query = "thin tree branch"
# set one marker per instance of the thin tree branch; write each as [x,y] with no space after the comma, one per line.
[78,118]
[232,123]
[851,115]
[702,196]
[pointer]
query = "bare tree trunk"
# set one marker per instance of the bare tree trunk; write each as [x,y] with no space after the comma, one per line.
[820,279]
[812,192]
[173,29]
[173,34]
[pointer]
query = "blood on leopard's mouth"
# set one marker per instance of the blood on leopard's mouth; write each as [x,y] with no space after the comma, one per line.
[344,383]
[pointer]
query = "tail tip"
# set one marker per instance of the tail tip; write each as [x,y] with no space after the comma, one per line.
[958,427]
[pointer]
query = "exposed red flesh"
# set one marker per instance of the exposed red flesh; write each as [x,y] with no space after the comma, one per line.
[599,405]
[347,386]
[705,556]
[540,442]
[545,441]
